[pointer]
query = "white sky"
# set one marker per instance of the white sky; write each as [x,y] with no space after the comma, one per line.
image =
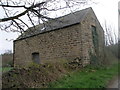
[104,10]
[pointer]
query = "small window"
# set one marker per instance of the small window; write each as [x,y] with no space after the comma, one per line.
[36,58]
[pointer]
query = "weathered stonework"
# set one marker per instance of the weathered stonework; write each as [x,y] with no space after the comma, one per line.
[65,43]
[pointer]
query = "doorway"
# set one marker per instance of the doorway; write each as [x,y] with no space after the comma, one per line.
[35,57]
[95,38]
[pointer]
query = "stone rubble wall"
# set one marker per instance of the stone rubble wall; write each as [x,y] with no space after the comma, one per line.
[66,43]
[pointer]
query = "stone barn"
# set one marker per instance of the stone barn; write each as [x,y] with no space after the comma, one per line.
[76,35]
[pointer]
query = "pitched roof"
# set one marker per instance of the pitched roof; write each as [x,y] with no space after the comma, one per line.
[56,23]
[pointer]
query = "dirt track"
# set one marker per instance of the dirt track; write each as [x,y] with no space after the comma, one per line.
[114,83]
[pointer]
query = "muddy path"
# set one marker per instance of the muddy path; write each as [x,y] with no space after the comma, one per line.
[114,83]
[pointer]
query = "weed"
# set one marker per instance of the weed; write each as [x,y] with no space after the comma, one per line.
[87,78]
[5,69]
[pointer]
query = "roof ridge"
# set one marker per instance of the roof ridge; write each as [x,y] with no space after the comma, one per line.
[88,9]
[73,12]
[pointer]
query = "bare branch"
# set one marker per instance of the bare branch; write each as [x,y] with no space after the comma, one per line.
[13,6]
[110,36]
[14,17]
[21,14]
[31,10]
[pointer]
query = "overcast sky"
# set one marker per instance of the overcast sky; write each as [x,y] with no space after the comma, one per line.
[104,10]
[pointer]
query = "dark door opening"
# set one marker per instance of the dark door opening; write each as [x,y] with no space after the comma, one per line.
[95,38]
[36,58]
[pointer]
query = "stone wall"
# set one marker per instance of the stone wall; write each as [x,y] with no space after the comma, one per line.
[54,45]
[66,43]
[87,39]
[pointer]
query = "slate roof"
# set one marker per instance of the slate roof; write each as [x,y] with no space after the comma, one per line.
[56,23]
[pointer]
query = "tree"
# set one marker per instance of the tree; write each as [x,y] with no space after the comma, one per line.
[111,42]
[110,34]
[23,14]
[7,58]
[7,52]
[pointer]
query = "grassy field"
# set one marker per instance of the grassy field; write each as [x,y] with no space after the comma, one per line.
[5,69]
[89,77]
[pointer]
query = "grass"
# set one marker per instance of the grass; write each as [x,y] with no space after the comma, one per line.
[89,77]
[5,69]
